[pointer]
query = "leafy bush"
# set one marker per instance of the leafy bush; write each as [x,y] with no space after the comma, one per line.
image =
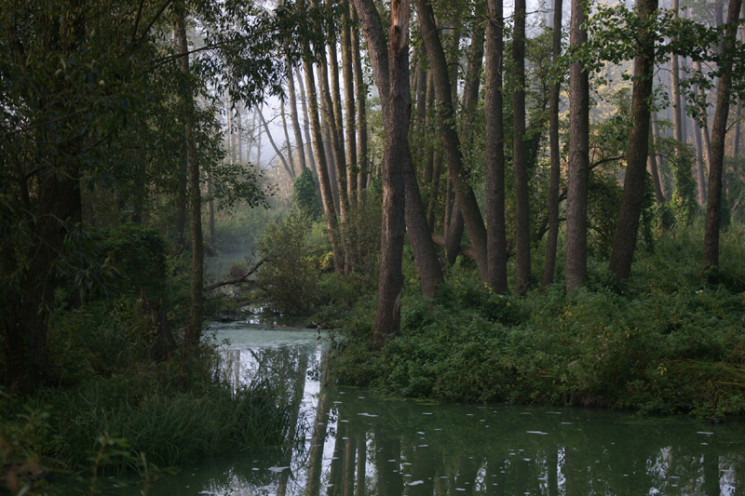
[288,277]
[670,342]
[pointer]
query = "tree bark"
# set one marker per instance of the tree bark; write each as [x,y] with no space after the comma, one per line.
[718,133]
[579,160]
[424,253]
[627,226]
[306,129]
[519,154]
[361,97]
[388,313]
[466,198]
[194,328]
[297,132]
[349,104]
[555,152]
[320,160]
[495,196]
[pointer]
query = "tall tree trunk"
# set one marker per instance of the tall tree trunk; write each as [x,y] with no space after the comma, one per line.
[194,328]
[553,188]
[360,91]
[349,109]
[320,160]
[294,117]
[627,225]
[306,128]
[416,224]
[658,160]
[702,129]
[328,106]
[388,313]
[519,154]
[468,113]
[181,191]
[718,133]
[579,159]
[495,201]
[466,198]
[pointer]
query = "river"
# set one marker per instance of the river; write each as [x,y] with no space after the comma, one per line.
[349,442]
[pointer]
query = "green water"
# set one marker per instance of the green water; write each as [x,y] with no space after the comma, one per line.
[352,442]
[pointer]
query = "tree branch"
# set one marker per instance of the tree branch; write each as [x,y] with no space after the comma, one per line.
[238,280]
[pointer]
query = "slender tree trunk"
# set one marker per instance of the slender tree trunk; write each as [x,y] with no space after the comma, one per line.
[495,195]
[658,160]
[627,225]
[349,109]
[579,159]
[320,160]
[194,328]
[718,133]
[285,165]
[519,154]
[659,197]
[466,198]
[294,117]
[700,161]
[288,143]
[553,189]
[360,90]
[306,128]
[331,119]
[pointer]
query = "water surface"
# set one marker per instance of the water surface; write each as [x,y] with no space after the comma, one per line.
[350,442]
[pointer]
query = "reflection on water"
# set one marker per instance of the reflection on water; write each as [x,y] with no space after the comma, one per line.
[349,442]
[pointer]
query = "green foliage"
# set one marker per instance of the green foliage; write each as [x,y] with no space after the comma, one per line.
[288,277]
[671,343]
[306,195]
[117,410]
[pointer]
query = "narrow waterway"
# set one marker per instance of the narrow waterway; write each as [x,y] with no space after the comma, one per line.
[350,442]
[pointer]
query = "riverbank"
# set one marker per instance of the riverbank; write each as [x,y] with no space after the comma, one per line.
[668,342]
[116,410]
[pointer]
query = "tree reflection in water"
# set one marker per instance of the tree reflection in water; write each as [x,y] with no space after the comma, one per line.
[349,442]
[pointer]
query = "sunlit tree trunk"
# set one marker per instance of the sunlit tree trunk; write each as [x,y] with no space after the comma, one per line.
[553,189]
[576,223]
[627,226]
[718,133]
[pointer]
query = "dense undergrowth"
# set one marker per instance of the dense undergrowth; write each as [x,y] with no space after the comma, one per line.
[669,341]
[115,406]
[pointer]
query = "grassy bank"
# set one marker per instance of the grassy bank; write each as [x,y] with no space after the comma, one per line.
[669,341]
[116,410]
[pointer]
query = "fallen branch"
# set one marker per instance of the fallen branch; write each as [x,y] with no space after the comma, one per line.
[238,280]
